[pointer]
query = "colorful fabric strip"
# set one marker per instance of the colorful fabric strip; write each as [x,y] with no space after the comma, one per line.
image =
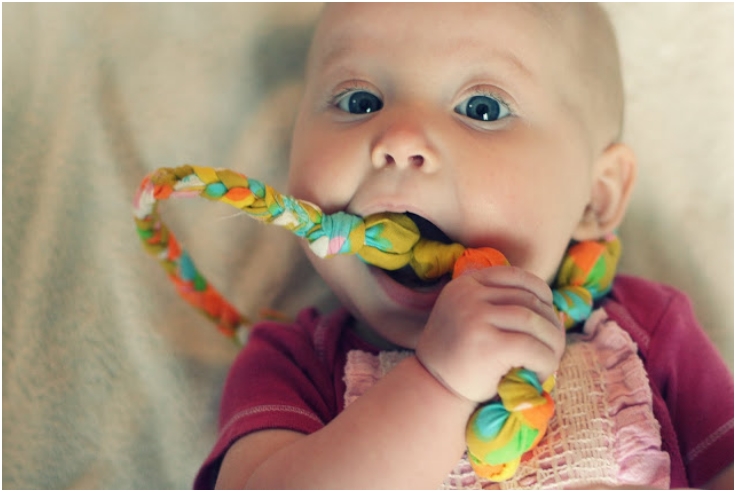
[498,433]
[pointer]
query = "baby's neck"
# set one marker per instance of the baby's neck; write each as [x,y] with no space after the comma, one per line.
[369,335]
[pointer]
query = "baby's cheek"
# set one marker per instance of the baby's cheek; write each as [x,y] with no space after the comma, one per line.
[326,182]
[308,182]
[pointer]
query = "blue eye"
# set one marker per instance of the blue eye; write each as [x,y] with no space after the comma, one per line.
[359,102]
[483,108]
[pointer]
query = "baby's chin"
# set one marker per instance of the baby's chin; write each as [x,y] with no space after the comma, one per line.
[391,332]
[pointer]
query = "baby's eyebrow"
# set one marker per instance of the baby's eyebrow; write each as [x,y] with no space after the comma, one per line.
[333,54]
[491,57]
[453,50]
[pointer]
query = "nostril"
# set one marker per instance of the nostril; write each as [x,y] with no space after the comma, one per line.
[416,160]
[388,160]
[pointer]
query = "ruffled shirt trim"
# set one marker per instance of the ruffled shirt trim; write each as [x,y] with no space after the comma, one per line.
[603,433]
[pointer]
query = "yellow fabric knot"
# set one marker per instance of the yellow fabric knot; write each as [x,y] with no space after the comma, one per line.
[389,240]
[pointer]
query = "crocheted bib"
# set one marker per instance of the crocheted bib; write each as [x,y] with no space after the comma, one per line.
[499,432]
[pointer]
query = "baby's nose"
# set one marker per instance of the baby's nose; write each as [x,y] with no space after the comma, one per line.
[403,145]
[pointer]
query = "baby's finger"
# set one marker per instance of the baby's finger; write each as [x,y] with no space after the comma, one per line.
[508,276]
[514,296]
[514,318]
[525,350]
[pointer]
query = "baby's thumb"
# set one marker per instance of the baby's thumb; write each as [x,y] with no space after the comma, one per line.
[474,259]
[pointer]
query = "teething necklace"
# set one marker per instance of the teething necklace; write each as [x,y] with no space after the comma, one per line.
[498,433]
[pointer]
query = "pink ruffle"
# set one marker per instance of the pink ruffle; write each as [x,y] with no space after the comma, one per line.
[638,444]
[362,370]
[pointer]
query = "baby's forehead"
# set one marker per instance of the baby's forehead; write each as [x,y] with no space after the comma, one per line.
[446,32]
[440,20]
[493,14]
[532,30]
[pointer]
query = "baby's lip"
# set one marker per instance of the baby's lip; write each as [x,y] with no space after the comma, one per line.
[420,298]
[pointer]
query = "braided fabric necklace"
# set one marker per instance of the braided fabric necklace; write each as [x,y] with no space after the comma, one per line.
[499,432]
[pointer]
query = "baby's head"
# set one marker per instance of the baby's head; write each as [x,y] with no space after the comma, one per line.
[498,123]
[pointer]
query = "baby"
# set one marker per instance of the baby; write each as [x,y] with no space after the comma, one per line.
[496,125]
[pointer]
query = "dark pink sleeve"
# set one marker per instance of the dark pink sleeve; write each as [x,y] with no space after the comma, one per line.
[697,387]
[276,382]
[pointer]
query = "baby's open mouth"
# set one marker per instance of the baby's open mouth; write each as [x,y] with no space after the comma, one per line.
[406,275]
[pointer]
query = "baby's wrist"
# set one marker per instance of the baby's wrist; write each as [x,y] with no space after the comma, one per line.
[441,381]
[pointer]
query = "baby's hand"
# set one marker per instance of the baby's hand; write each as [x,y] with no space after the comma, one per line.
[487,322]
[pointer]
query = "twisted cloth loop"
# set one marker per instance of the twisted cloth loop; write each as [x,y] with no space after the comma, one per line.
[499,432]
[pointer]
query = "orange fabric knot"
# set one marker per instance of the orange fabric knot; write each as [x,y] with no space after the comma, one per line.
[478,258]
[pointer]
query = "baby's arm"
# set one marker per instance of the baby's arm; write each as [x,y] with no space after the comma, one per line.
[394,436]
[407,431]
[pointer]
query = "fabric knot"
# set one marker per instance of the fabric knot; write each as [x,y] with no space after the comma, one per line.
[340,233]
[432,259]
[499,433]
[299,217]
[389,239]
[585,275]
[574,302]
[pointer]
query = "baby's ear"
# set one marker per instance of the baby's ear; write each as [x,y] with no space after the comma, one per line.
[614,175]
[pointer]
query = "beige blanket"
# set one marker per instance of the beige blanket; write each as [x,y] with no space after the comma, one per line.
[109,379]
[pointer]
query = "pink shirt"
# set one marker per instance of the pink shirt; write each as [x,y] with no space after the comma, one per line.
[299,370]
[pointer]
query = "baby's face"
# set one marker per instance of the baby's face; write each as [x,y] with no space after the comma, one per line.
[463,114]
